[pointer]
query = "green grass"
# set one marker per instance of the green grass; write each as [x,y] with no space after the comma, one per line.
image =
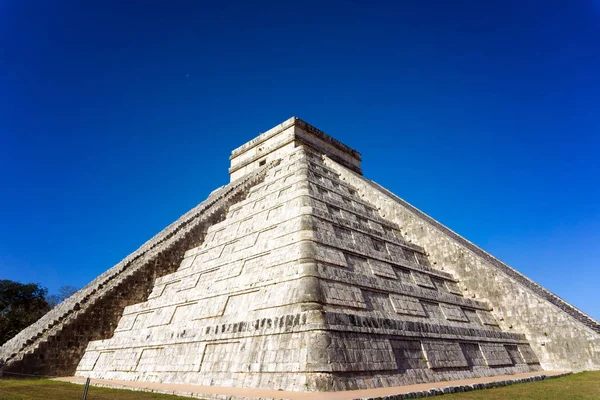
[43,389]
[582,386]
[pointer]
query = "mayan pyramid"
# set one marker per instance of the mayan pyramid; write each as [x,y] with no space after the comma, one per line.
[301,274]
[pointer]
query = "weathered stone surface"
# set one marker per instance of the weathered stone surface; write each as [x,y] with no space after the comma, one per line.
[304,283]
[562,337]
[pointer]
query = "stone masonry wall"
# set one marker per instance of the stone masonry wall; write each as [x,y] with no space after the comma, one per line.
[562,336]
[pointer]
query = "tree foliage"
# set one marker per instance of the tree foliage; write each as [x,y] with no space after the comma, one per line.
[63,293]
[20,306]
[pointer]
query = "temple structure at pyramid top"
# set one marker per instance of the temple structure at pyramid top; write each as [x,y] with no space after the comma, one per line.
[284,138]
[302,274]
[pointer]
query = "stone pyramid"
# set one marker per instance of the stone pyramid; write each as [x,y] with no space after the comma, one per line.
[302,274]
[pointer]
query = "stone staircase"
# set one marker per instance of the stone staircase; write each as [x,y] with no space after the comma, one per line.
[54,344]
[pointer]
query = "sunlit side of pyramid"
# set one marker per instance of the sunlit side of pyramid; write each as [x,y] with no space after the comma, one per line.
[308,276]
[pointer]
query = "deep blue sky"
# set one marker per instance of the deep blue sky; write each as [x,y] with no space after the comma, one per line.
[117,117]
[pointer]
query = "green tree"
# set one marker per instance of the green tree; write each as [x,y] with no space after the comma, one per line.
[20,306]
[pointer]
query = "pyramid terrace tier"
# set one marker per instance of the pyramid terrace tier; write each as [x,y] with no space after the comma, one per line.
[283,139]
[309,360]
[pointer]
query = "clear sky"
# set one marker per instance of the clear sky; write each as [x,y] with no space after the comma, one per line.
[116,117]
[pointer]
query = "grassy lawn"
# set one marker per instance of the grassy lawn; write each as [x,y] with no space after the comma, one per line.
[585,385]
[582,386]
[42,389]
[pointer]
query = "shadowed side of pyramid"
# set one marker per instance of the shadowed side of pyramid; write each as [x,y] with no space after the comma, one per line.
[562,336]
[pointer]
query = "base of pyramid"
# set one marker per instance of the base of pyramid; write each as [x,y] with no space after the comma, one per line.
[408,391]
[302,353]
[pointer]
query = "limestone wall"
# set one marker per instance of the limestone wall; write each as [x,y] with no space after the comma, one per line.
[562,336]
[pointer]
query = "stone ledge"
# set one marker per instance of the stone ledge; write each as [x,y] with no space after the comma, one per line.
[303,125]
